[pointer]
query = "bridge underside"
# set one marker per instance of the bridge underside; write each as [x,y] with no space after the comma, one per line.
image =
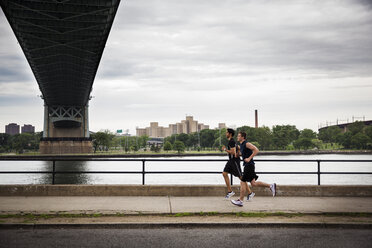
[63,41]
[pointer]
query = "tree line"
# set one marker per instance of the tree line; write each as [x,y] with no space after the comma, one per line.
[279,137]
[357,136]
[283,137]
[19,143]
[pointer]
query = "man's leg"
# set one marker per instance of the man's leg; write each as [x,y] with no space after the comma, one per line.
[272,187]
[259,184]
[248,189]
[243,189]
[227,181]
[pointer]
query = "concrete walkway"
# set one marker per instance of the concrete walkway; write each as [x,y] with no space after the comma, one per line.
[170,205]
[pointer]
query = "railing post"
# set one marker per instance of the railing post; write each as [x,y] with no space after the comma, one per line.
[54,171]
[143,172]
[231,179]
[318,172]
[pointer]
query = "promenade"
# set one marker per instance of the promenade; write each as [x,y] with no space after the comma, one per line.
[169,209]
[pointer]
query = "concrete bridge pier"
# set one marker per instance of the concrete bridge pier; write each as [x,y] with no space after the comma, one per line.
[66,130]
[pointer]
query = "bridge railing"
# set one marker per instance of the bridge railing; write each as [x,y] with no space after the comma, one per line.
[54,172]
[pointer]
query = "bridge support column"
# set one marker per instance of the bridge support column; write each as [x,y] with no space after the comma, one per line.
[66,130]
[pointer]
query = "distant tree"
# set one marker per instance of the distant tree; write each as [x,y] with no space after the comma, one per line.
[116,141]
[102,140]
[155,148]
[264,137]
[22,142]
[216,143]
[36,140]
[356,127]
[317,143]
[127,148]
[167,146]
[283,135]
[255,143]
[360,141]
[192,140]
[220,137]
[368,131]
[303,143]
[307,133]
[345,139]
[330,134]
[207,137]
[5,142]
[134,148]
[171,139]
[183,137]
[142,141]
[179,146]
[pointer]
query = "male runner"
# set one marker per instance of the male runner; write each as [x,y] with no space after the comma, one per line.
[248,151]
[233,165]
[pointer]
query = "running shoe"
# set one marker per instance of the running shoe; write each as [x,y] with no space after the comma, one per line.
[273,189]
[229,195]
[250,196]
[237,202]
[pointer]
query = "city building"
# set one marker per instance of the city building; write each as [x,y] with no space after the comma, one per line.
[12,129]
[189,125]
[221,125]
[28,129]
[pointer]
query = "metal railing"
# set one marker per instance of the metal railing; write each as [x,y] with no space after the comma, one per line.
[54,172]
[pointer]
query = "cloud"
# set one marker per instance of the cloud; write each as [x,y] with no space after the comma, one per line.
[166,58]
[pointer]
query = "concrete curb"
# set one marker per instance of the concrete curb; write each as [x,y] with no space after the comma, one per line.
[184,225]
[180,190]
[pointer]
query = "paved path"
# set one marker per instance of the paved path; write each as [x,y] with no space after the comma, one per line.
[168,205]
[187,237]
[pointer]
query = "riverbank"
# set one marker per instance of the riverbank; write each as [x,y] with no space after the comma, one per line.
[186,154]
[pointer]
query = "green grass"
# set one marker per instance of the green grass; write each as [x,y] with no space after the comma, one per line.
[181,214]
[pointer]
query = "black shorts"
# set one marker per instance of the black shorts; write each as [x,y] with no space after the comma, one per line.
[249,172]
[233,167]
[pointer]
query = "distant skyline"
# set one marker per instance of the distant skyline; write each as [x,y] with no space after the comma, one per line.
[298,62]
[232,125]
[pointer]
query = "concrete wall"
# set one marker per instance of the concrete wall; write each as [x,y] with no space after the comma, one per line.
[177,190]
[65,132]
[65,147]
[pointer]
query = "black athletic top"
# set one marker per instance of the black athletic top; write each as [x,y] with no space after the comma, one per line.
[246,152]
[231,145]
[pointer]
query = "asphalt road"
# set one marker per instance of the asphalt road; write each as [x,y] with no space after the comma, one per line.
[188,237]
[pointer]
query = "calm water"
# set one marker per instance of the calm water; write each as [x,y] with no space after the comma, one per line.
[189,166]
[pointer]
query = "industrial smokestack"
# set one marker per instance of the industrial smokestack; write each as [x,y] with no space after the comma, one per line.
[256,118]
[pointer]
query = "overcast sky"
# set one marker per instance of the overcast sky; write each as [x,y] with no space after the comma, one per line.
[298,62]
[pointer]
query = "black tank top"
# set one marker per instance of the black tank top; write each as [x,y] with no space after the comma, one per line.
[246,152]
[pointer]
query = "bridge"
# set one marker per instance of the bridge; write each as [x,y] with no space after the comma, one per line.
[344,126]
[63,41]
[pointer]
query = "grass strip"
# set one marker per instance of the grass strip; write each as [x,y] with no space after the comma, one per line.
[31,217]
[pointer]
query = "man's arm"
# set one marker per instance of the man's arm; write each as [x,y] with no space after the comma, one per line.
[238,154]
[254,151]
[231,151]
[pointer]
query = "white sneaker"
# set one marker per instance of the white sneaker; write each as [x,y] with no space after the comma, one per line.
[237,202]
[229,195]
[273,189]
[250,196]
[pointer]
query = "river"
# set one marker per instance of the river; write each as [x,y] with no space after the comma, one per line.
[156,179]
